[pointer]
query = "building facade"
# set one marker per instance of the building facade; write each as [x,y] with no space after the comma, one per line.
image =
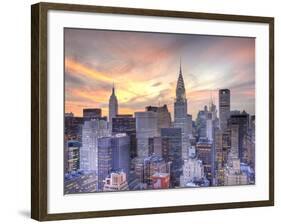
[91,131]
[224,107]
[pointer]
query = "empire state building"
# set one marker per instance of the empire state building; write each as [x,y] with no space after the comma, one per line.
[181,119]
[113,107]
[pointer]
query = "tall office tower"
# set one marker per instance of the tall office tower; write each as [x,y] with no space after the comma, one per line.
[204,151]
[201,124]
[146,127]
[73,127]
[242,121]
[91,131]
[234,139]
[121,153]
[113,108]
[192,171]
[91,113]
[73,152]
[219,158]
[209,126]
[158,146]
[181,119]
[104,160]
[126,123]
[174,137]
[163,116]
[224,107]
[116,181]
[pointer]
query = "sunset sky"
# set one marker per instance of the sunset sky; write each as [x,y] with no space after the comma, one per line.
[145,67]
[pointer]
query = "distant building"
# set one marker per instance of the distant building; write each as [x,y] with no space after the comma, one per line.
[224,107]
[220,156]
[205,154]
[242,123]
[234,176]
[209,126]
[174,137]
[146,127]
[91,113]
[91,131]
[113,154]
[160,180]
[73,149]
[126,123]
[120,144]
[158,146]
[201,124]
[146,167]
[116,181]
[163,117]
[73,127]
[80,182]
[104,159]
[192,170]
[112,108]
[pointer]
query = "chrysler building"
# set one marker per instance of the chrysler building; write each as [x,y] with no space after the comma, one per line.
[181,119]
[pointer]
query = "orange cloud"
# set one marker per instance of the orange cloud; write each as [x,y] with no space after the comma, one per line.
[78,68]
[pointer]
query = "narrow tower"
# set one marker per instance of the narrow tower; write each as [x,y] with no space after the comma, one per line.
[113,107]
[181,119]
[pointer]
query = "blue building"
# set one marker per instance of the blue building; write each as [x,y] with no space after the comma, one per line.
[121,153]
[113,154]
[174,154]
[104,160]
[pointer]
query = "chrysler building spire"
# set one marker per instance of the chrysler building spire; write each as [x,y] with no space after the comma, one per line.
[180,91]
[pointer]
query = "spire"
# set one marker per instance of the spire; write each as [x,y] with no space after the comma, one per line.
[113,88]
[180,91]
[180,66]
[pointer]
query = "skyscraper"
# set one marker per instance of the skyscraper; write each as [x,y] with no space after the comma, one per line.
[104,160]
[174,137]
[146,127]
[181,119]
[113,107]
[73,149]
[121,152]
[126,123]
[204,151]
[242,121]
[224,107]
[163,116]
[91,131]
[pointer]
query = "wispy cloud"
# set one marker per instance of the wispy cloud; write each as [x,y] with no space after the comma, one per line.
[144,68]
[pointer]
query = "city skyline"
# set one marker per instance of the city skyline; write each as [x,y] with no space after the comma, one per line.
[129,141]
[147,76]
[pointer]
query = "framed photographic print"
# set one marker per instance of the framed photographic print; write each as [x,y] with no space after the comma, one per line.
[139,111]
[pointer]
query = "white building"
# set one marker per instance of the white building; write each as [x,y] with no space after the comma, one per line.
[91,131]
[117,181]
[234,176]
[192,170]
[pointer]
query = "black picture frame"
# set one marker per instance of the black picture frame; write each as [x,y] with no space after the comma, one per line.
[39,107]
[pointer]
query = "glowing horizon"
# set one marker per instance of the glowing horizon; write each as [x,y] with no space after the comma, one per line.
[145,67]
